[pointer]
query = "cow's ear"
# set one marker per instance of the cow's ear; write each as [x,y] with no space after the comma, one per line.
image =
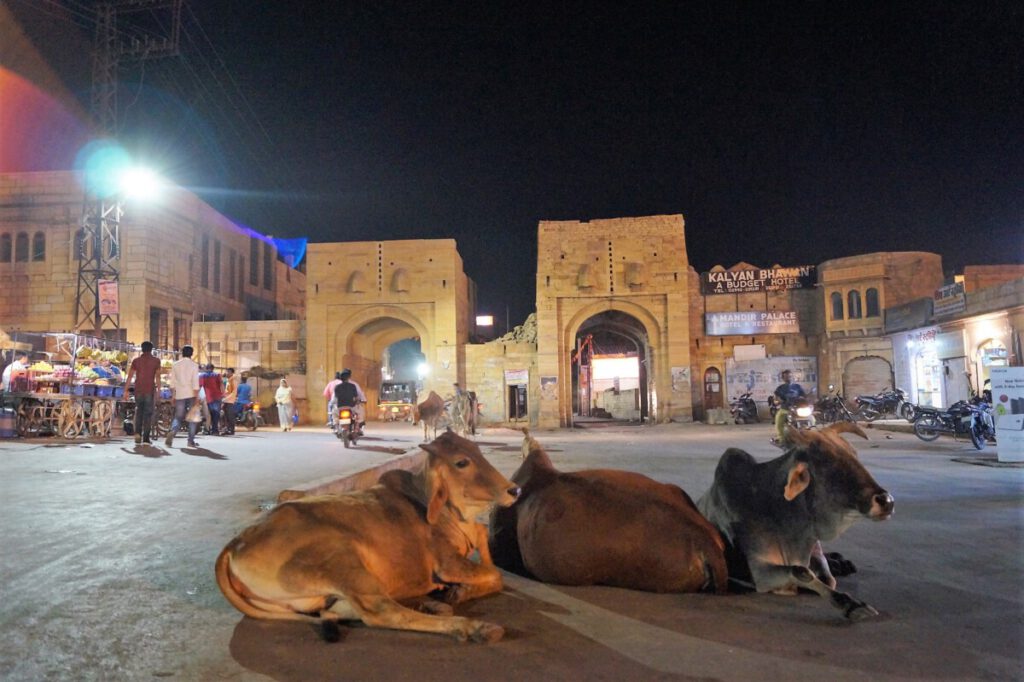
[797,481]
[435,488]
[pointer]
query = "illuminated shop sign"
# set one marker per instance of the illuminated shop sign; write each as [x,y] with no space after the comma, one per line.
[757,279]
[748,323]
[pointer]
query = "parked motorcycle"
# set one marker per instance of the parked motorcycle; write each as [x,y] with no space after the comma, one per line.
[346,427]
[894,401]
[962,418]
[250,417]
[744,410]
[832,408]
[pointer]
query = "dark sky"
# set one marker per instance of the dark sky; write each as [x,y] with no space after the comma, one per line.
[785,133]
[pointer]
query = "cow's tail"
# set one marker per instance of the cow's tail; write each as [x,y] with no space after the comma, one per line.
[229,587]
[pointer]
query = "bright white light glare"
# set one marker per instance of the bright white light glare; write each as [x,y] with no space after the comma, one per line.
[422,370]
[485,320]
[140,183]
[611,368]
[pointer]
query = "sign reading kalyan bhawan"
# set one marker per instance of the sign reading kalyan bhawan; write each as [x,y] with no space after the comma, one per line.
[757,279]
[752,322]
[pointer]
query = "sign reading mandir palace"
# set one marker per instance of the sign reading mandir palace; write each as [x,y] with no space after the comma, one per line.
[756,322]
[757,279]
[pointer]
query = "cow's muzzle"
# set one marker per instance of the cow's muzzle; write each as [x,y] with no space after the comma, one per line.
[882,505]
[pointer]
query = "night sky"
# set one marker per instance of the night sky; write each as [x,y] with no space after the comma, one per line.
[785,133]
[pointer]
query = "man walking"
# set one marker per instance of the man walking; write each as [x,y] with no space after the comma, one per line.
[214,391]
[185,386]
[144,369]
[228,402]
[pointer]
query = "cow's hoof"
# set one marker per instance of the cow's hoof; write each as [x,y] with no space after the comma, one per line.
[839,565]
[486,633]
[860,611]
[435,608]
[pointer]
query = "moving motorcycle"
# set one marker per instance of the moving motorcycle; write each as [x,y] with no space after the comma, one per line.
[250,417]
[832,408]
[894,401]
[744,410]
[346,426]
[970,418]
[799,416]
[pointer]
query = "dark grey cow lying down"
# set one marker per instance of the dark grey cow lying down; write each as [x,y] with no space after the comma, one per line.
[773,515]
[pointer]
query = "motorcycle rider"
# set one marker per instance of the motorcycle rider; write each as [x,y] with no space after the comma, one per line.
[243,397]
[787,392]
[350,394]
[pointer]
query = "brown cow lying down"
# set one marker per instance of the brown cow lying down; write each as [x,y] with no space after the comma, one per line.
[605,527]
[774,515]
[355,556]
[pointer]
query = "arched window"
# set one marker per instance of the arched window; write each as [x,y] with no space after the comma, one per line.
[837,305]
[853,304]
[21,247]
[871,303]
[6,248]
[39,246]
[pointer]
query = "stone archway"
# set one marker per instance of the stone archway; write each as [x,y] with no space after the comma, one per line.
[611,337]
[361,341]
[626,319]
[363,296]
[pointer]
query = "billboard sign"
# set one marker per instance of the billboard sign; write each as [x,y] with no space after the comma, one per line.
[109,304]
[758,279]
[752,323]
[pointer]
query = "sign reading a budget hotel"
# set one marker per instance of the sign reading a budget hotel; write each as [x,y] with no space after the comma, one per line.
[753,280]
[748,323]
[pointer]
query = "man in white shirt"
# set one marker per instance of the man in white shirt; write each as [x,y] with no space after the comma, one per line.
[184,380]
[17,367]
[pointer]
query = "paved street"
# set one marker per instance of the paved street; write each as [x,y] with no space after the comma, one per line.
[107,571]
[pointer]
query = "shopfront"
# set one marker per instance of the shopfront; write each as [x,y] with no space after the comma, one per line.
[917,365]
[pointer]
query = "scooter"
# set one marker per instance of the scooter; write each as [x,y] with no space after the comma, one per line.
[744,410]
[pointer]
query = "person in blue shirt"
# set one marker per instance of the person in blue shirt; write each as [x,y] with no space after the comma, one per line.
[243,397]
[787,392]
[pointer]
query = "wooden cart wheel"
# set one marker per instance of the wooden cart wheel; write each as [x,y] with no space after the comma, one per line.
[101,418]
[45,418]
[163,415]
[70,419]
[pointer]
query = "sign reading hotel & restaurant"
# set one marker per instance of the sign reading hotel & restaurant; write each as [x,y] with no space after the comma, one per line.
[752,322]
[757,279]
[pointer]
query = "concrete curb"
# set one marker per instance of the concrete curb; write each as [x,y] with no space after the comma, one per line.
[900,426]
[412,459]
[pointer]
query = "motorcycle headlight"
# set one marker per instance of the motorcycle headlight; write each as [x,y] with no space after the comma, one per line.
[805,411]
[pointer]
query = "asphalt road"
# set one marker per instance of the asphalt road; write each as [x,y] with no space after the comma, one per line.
[106,567]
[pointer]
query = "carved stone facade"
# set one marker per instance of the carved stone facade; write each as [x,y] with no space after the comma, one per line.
[635,273]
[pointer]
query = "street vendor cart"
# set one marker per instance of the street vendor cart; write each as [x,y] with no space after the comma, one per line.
[69,395]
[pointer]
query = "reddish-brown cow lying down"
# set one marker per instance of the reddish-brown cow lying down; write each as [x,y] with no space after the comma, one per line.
[355,556]
[605,527]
